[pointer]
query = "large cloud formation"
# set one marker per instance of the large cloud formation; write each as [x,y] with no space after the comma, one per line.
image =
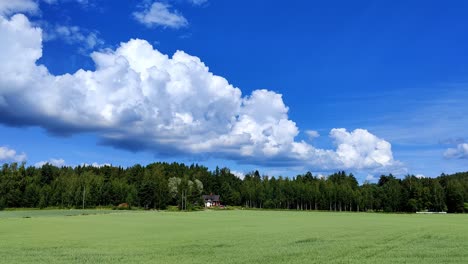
[141,99]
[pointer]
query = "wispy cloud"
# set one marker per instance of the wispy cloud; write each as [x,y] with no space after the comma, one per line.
[460,152]
[160,14]
[83,3]
[431,118]
[85,40]
[371,178]
[312,134]
[8,7]
[198,2]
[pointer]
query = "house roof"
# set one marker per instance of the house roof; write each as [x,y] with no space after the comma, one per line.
[213,198]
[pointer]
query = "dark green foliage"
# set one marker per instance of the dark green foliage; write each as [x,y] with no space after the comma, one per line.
[2,203]
[174,185]
[454,196]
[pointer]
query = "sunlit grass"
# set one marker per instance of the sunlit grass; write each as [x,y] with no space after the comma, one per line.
[231,237]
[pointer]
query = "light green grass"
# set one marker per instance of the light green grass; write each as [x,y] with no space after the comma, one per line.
[232,237]
[49,213]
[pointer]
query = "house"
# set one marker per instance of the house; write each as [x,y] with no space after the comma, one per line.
[211,200]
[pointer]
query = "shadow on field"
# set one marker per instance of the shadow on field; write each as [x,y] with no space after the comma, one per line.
[309,240]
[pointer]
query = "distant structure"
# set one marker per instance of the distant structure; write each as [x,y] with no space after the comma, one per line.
[211,200]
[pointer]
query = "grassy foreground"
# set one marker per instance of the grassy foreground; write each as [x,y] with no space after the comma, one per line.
[231,237]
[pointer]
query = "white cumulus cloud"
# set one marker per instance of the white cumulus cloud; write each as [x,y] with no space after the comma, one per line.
[361,149]
[141,99]
[460,152]
[95,164]
[358,149]
[160,14]
[10,155]
[238,174]
[55,162]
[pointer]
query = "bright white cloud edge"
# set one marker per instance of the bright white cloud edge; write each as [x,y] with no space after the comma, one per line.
[139,98]
[8,7]
[55,162]
[459,152]
[10,155]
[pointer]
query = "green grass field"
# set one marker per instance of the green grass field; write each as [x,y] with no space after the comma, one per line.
[239,236]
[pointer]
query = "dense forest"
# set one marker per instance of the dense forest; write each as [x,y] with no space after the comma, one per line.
[160,185]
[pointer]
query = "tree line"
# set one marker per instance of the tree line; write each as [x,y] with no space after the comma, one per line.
[159,185]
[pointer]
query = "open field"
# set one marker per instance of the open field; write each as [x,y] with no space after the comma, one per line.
[231,237]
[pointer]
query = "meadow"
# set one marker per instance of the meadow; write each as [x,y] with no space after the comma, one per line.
[238,236]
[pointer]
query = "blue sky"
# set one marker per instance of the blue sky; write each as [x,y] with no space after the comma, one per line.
[365,86]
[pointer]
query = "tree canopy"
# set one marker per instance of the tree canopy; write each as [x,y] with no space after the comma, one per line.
[159,185]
